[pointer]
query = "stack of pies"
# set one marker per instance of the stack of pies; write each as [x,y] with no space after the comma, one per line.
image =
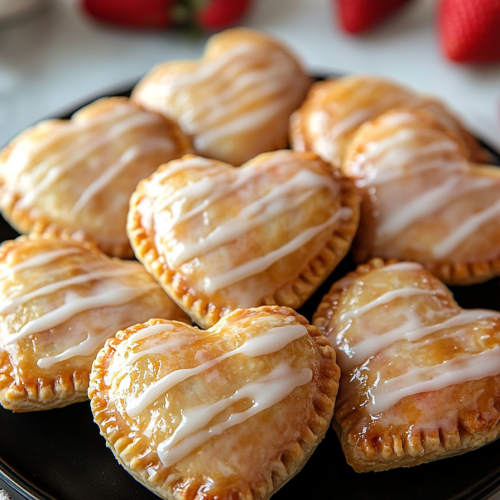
[235,233]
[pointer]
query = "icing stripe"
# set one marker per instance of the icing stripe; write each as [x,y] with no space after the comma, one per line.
[55,167]
[461,369]
[388,297]
[85,348]
[39,261]
[462,232]
[402,266]
[112,171]
[264,393]
[271,341]
[254,215]
[425,205]
[75,305]
[260,264]
[411,331]
[11,304]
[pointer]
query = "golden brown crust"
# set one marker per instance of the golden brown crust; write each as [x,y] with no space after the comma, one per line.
[279,85]
[168,482]
[477,268]
[24,386]
[35,219]
[477,420]
[342,98]
[206,312]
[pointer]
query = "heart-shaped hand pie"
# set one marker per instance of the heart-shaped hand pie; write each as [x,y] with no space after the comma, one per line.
[334,110]
[64,177]
[59,302]
[232,412]
[422,200]
[236,101]
[420,376]
[219,238]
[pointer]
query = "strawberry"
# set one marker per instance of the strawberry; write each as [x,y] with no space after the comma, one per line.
[469,30]
[357,16]
[218,14]
[134,13]
[210,14]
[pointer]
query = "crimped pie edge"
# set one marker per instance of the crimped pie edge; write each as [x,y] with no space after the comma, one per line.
[281,470]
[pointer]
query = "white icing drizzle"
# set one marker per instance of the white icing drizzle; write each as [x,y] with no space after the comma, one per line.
[259,212]
[268,342]
[145,333]
[249,85]
[401,266]
[458,370]
[111,296]
[85,348]
[175,341]
[264,393]
[387,297]
[431,201]
[39,260]
[56,165]
[409,153]
[169,207]
[260,264]
[112,171]
[412,330]
[244,123]
[14,301]
[78,125]
[462,232]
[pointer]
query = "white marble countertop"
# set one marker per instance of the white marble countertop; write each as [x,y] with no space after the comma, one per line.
[60,58]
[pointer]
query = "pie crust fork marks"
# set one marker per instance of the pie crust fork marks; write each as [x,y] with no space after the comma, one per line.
[199,414]
[219,238]
[420,376]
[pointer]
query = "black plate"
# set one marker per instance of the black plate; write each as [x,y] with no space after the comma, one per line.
[60,455]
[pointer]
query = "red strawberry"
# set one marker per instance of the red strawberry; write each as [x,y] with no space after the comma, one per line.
[470,30]
[136,13]
[218,14]
[357,16]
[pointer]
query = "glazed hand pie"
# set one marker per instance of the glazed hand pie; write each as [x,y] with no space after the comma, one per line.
[236,100]
[232,412]
[423,201]
[60,301]
[336,108]
[420,376]
[219,238]
[76,177]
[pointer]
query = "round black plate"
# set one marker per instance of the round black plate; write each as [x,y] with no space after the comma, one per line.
[60,455]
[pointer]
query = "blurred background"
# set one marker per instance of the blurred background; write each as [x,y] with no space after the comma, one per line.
[57,56]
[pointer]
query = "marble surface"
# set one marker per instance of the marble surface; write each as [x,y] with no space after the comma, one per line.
[59,58]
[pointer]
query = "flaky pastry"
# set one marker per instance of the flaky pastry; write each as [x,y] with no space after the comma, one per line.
[420,375]
[232,412]
[236,100]
[75,177]
[59,301]
[218,238]
[334,110]
[422,200]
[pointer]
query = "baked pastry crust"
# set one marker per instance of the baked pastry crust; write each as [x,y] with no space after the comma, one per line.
[74,178]
[60,301]
[236,100]
[219,431]
[335,108]
[219,238]
[422,200]
[420,376]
